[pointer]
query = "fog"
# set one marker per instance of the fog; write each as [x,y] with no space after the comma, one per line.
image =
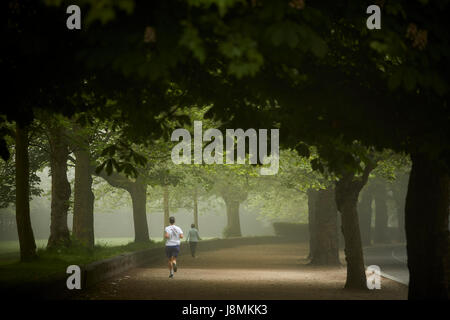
[111,221]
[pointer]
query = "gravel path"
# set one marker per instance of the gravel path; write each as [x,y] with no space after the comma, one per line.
[269,272]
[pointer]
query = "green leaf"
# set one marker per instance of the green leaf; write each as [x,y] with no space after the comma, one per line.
[303,150]
[100,168]
[395,80]
[319,47]
[191,40]
[109,167]
[409,79]
[291,38]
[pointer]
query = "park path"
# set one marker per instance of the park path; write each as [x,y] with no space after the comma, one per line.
[269,271]
[392,260]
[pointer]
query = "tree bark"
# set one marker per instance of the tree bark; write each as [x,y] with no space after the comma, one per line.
[381,216]
[399,195]
[196,209]
[83,209]
[166,205]
[365,215]
[347,192]
[426,226]
[326,248]
[138,193]
[23,220]
[233,228]
[59,151]
[312,198]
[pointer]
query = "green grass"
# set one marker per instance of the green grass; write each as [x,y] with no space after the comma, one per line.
[13,272]
[9,247]
[13,246]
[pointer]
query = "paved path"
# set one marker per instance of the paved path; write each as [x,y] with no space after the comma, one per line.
[273,271]
[391,259]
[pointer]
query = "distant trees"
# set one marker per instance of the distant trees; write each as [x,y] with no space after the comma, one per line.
[380,197]
[138,192]
[321,78]
[231,183]
[128,172]
[386,186]
[284,196]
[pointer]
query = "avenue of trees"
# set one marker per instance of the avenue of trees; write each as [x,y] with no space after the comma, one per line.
[356,108]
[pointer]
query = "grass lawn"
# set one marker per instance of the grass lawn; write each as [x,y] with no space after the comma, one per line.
[13,272]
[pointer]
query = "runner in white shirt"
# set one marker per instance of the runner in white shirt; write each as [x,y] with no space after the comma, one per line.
[172,234]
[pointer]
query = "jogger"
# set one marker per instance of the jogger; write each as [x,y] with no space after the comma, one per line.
[172,234]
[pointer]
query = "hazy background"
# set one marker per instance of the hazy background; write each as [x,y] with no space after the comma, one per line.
[113,218]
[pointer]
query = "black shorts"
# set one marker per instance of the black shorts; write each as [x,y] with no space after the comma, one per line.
[172,251]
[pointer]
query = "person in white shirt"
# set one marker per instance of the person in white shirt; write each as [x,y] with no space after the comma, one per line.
[172,234]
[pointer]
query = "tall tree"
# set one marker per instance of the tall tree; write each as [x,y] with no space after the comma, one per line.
[232,184]
[138,192]
[312,200]
[326,243]
[24,229]
[399,188]
[166,204]
[61,191]
[347,192]
[195,204]
[365,215]
[83,209]
[381,213]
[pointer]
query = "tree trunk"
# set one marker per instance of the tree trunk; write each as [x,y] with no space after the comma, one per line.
[83,208]
[399,196]
[59,231]
[138,194]
[233,228]
[347,192]
[326,249]
[196,209]
[166,205]
[427,233]
[23,220]
[381,216]
[312,198]
[365,216]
